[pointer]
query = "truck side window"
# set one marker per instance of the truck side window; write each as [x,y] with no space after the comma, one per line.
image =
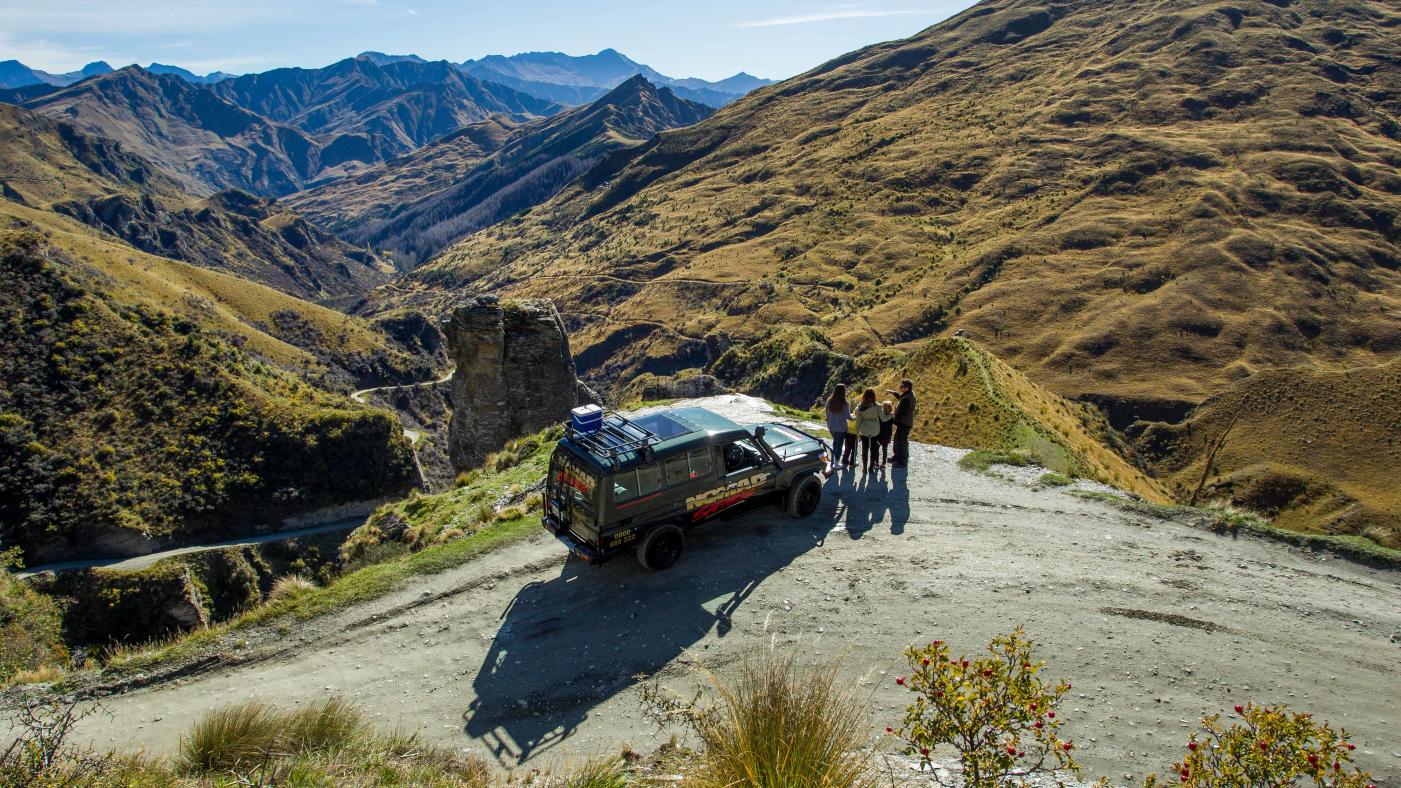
[677,471]
[740,455]
[649,479]
[700,463]
[624,486]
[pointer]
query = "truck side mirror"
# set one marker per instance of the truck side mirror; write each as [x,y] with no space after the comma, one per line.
[759,431]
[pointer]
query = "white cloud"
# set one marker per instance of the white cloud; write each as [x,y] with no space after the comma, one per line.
[137,16]
[823,16]
[50,56]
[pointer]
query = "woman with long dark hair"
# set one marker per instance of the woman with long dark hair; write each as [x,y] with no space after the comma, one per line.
[838,413]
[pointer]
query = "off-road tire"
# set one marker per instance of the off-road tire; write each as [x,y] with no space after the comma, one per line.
[804,495]
[661,547]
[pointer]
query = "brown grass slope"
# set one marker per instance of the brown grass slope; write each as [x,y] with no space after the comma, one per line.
[1317,450]
[123,415]
[376,192]
[329,349]
[51,165]
[1128,198]
[971,399]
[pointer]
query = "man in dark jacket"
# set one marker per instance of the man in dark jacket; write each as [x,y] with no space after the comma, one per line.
[904,422]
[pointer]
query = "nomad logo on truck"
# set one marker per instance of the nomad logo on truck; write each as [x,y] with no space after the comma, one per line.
[571,475]
[709,502]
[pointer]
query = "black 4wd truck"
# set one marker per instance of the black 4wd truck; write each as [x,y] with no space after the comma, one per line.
[639,484]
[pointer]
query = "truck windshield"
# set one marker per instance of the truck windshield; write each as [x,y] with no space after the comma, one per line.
[787,442]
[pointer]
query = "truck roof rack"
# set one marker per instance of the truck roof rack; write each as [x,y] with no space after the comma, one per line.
[615,437]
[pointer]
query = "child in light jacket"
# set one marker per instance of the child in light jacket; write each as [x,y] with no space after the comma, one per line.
[887,428]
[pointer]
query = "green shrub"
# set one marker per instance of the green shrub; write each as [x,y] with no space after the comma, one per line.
[1271,746]
[1053,479]
[31,628]
[995,711]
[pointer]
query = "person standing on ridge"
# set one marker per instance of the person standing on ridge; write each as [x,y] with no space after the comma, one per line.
[904,422]
[868,419]
[887,431]
[838,413]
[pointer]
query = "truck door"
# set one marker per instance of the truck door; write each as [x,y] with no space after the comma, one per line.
[571,496]
[744,472]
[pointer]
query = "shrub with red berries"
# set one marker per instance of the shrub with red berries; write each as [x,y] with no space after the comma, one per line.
[995,711]
[1270,747]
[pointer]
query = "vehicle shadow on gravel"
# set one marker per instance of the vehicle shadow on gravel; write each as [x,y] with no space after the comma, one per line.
[568,644]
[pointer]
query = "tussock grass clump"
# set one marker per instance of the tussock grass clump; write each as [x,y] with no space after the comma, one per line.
[1053,479]
[511,513]
[595,773]
[290,585]
[230,737]
[44,674]
[326,725]
[518,451]
[775,723]
[329,742]
[483,512]
[249,733]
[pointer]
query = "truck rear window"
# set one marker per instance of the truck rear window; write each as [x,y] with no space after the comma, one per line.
[570,481]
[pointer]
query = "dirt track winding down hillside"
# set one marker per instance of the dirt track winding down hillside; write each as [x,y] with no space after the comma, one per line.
[523,655]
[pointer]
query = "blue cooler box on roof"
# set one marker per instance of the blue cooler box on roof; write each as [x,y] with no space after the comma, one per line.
[586,419]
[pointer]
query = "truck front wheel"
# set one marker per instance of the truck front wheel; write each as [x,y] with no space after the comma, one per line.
[661,547]
[804,496]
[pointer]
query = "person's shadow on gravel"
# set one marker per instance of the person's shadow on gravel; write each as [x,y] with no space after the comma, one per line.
[898,500]
[567,644]
[866,504]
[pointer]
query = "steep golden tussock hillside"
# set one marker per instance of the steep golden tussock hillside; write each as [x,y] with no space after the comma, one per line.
[1316,450]
[1146,200]
[971,399]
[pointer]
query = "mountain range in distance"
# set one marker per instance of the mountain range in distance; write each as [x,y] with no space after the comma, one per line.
[286,130]
[14,74]
[550,76]
[414,206]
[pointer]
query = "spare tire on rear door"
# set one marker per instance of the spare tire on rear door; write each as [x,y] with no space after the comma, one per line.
[804,495]
[661,547]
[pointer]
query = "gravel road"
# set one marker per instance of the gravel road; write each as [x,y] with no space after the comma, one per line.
[523,655]
[143,561]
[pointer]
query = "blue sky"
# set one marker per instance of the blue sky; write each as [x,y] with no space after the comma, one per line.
[710,39]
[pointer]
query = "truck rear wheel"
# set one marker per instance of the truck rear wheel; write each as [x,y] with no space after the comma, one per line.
[661,547]
[804,495]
